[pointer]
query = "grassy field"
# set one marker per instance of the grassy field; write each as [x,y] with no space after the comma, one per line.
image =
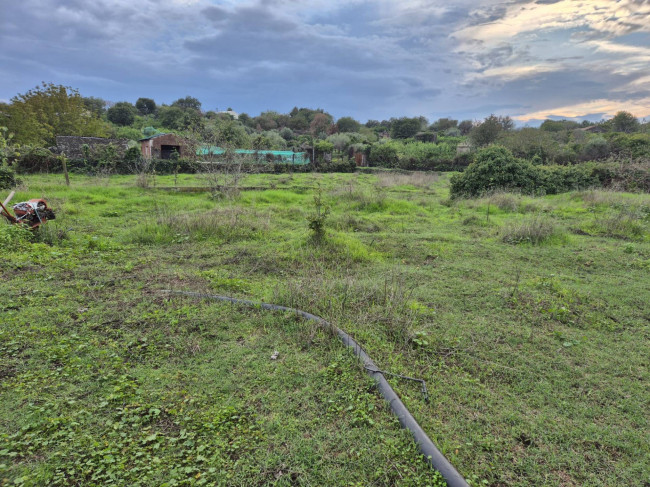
[527,317]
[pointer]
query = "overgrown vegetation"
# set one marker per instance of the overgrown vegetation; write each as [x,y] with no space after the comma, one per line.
[409,143]
[526,315]
[495,168]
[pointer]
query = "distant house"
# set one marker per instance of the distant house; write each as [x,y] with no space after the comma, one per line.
[73,145]
[164,146]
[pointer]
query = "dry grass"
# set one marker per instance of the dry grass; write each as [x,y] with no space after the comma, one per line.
[417,179]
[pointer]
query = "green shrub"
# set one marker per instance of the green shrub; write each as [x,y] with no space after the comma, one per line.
[495,168]
[35,159]
[632,145]
[560,179]
[383,155]
[7,177]
[596,148]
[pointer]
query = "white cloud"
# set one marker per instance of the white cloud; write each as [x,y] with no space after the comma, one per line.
[608,107]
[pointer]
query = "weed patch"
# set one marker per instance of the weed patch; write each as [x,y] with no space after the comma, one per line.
[533,231]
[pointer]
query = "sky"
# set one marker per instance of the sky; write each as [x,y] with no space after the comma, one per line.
[369,59]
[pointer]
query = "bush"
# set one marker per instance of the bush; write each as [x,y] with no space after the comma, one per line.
[7,177]
[383,155]
[425,156]
[495,168]
[559,179]
[35,159]
[338,165]
[534,231]
[634,145]
[596,148]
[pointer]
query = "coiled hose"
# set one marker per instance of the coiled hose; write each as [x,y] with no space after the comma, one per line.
[435,458]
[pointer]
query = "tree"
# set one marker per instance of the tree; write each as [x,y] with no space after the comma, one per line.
[486,132]
[506,122]
[348,124]
[625,122]
[320,124]
[286,133]
[122,113]
[404,128]
[7,173]
[48,110]
[95,105]
[300,119]
[558,125]
[146,106]
[530,143]
[340,141]
[465,126]
[443,124]
[171,117]
[233,134]
[267,120]
[189,102]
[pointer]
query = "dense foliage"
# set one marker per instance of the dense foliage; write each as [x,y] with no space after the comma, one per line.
[46,111]
[496,169]
[409,143]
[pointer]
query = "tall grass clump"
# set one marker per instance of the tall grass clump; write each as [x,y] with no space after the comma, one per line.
[227,224]
[624,226]
[535,231]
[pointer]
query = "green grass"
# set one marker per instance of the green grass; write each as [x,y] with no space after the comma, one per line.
[527,317]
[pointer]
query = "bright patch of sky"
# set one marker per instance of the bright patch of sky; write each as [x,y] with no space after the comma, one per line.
[370,59]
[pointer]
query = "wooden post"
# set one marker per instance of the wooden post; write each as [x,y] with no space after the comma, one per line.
[11,195]
[65,169]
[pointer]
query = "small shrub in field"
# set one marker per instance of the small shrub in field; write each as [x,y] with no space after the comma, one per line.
[507,202]
[316,220]
[622,226]
[534,231]
[493,169]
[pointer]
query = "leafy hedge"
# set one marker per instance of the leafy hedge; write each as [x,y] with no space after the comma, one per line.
[496,169]
[416,156]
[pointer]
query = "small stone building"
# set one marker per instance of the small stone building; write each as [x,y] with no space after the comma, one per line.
[72,145]
[165,146]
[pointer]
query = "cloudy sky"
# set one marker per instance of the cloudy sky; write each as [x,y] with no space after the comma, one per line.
[371,59]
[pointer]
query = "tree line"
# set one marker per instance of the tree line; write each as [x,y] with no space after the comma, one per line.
[34,119]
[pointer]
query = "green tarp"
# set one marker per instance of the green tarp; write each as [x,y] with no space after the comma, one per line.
[263,156]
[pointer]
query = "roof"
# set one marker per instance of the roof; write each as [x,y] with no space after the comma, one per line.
[153,136]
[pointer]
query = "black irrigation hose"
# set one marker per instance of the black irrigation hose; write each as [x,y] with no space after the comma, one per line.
[427,447]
